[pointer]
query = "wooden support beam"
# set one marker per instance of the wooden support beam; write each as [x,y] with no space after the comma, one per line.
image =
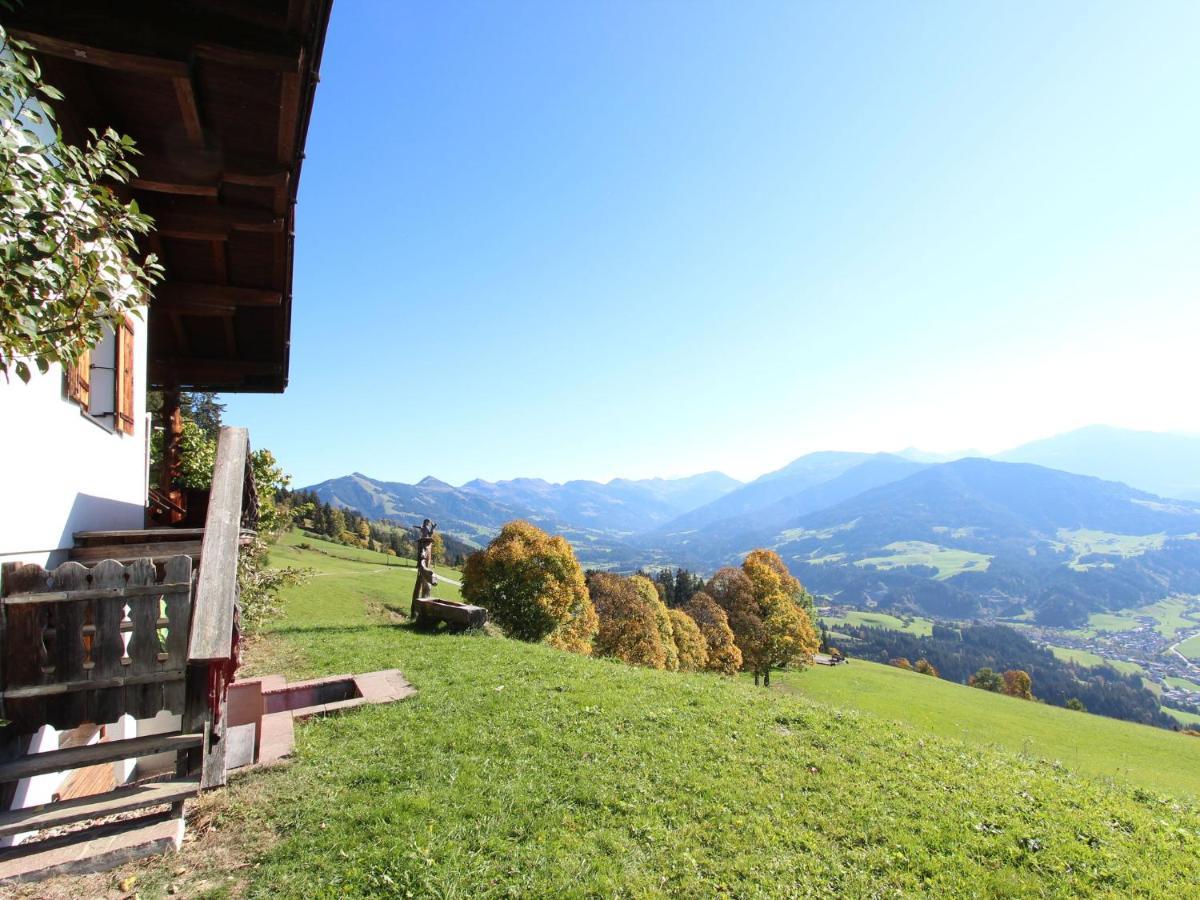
[213,223]
[244,58]
[226,371]
[289,113]
[189,108]
[215,297]
[201,173]
[230,337]
[137,63]
[220,261]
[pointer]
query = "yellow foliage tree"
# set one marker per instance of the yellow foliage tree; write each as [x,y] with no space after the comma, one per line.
[577,633]
[690,647]
[662,619]
[723,653]
[530,583]
[628,625]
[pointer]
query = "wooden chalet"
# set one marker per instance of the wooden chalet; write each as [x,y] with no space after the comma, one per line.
[117,618]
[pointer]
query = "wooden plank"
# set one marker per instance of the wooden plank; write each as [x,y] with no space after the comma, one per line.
[216,589]
[120,800]
[108,646]
[18,656]
[179,618]
[94,594]
[70,710]
[126,552]
[62,688]
[249,59]
[147,534]
[91,754]
[214,223]
[289,115]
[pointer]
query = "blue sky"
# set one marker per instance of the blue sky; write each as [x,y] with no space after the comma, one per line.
[583,240]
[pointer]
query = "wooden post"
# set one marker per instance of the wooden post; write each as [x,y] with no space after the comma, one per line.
[172,459]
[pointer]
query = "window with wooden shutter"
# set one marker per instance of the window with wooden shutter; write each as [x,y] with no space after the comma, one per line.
[123,420]
[79,376]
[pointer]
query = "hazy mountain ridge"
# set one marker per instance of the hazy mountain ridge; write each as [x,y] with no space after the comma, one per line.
[1161,463]
[960,538]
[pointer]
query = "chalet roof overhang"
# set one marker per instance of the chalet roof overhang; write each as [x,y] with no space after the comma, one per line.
[217,94]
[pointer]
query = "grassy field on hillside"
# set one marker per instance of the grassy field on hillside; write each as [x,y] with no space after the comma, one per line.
[1089,659]
[518,770]
[1085,542]
[1191,647]
[1170,615]
[1150,757]
[1184,683]
[947,561]
[917,625]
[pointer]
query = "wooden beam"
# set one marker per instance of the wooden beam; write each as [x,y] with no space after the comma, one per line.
[213,222]
[137,63]
[220,261]
[216,590]
[201,173]
[230,337]
[249,59]
[289,114]
[185,95]
[218,296]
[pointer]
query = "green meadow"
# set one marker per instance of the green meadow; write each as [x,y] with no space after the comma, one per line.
[1089,659]
[1109,749]
[916,625]
[521,771]
[947,561]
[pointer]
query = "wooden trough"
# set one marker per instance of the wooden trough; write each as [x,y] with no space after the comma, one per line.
[459,616]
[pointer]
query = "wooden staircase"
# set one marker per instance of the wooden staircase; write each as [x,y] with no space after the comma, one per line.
[105,842]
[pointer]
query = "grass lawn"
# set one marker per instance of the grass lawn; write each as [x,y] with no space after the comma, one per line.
[1184,718]
[1191,647]
[1089,659]
[917,625]
[947,561]
[1184,683]
[1152,758]
[518,770]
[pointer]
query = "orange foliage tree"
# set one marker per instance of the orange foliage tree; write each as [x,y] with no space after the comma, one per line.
[690,646]
[723,653]
[662,619]
[628,625]
[532,586]
[1017,683]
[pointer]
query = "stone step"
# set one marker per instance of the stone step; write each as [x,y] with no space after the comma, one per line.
[92,850]
[97,806]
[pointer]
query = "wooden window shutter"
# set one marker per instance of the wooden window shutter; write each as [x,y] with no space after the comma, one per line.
[124,378]
[79,376]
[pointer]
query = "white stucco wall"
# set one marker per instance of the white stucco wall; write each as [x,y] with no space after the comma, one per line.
[61,472]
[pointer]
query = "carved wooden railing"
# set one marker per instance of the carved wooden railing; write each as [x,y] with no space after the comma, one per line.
[81,644]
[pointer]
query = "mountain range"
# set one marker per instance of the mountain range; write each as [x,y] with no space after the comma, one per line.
[959,538]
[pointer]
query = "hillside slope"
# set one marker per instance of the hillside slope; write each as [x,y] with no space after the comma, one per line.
[1151,757]
[520,770]
[977,536]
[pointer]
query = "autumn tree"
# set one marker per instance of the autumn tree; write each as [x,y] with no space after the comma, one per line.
[629,629]
[722,650]
[337,523]
[662,619]
[530,583]
[734,593]
[987,680]
[785,609]
[364,533]
[437,553]
[901,662]
[690,645]
[1017,683]
[925,667]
